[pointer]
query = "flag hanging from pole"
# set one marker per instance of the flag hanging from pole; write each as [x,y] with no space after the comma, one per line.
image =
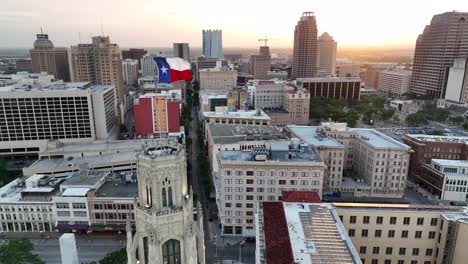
[173,69]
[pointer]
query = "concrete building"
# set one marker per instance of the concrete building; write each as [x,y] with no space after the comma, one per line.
[167,229]
[134,54]
[376,165]
[158,115]
[326,55]
[372,78]
[253,117]
[181,50]
[394,83]
[446,179]
[130,71]
[402,233]
[209,101]
[213,43]
[260,64]
[238,99]
[217,79]
[407,106]
[428,147]
[302,233]
[457,82]
[280,75]
[267,94]
[100,63]
[246,177]
[26,79]
[202,63]
[332,87]
[71,112]
[148,66]
[46,58]
[444,40]
[345,69]
[305,47]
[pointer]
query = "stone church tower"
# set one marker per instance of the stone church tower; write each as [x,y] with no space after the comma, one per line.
[167,231]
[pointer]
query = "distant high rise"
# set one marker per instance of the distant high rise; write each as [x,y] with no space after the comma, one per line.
[148,66]
[260,64]
[46,58]
[445,39]
[326,55]
[213,43]
[134,54]
[305,47]
[130,71]
[182,51]
[100,63]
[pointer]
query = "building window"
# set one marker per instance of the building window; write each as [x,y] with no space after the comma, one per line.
[418,234]
[362,250]
[415,251]
[406,221]
[391,233]
[389,250]
[250,181]
[378,233]
[282,182]
[169,194]
[400,261]
[388,261]
[402,251]
[432,234]
[404,234]
[227,204]
[393,220]
[375,261]
[62,205]
[79,206]
[420,221]
[434,221]
[414,262]
[171,252]
[379,220]
[164,197]
[365,219]
[351,232]
[365,233]
[352,219]
[250,173]
[375,250]
[429,252]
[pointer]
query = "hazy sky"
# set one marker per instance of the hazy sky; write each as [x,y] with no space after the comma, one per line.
[158,23]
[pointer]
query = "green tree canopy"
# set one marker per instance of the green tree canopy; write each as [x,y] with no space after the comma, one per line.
[18,252]
[116,257]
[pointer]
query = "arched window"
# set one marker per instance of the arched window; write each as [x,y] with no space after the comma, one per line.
[164,197]
[171,252]
[169,194]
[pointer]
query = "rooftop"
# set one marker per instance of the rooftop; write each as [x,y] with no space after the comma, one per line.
[430,138]
[86,178]
[253,114]
[329,79]
[312,232]
[118,187]
[378,140]
[301,197]
[309,135]
[451,163]
[398,207]
[230,133]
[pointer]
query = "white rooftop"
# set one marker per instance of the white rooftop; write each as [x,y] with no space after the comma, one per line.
[452,139]
[451,163]
[253,114]
[379,140]
[81,192]
[309,135]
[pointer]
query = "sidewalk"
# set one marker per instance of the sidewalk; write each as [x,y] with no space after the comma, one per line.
[217,239]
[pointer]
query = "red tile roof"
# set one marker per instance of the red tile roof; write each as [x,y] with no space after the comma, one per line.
[277,244]
[301,197]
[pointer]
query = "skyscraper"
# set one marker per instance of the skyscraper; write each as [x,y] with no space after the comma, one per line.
[46,58]
[444,40]
[260,64]
[100,63]
[182,51]
[148,66]
[305,47]
[130,71]
[134,54]
[213,43]
[326,55]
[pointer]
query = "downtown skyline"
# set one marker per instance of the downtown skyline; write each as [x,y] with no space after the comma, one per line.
[145,23]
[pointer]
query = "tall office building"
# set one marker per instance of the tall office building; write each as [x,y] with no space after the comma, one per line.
[326,55]
[134,54]
[46,58]
[167,230]
[148,66]
[182,51]
[305,47]
[99,63]
[213,43]
[445,39]
[260,64]
[130,71]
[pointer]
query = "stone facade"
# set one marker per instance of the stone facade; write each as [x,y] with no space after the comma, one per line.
[167,228]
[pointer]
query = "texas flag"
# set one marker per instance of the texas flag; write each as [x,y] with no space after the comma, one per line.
[173,69]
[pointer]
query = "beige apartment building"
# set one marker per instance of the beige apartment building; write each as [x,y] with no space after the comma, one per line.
[403,233]
[217,79]
[99,63]
[394,83]
[251,175]
[47,58]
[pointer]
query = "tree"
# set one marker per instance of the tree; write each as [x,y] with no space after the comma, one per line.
[457,120]
[116,257]
[436,133]
[396,118]
[18,252]
[351,118]
[416,119]
[386,114]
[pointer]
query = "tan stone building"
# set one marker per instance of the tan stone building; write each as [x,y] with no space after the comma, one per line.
[217,79]
[168,228]
[260,64]
[99,63]
[257,173]
[46,58]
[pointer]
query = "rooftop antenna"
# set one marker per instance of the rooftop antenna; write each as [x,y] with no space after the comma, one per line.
[102,28]
[41,31]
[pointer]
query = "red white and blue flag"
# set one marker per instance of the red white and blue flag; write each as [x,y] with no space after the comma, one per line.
[173,69]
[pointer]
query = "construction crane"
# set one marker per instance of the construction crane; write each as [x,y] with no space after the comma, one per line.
[264,40]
